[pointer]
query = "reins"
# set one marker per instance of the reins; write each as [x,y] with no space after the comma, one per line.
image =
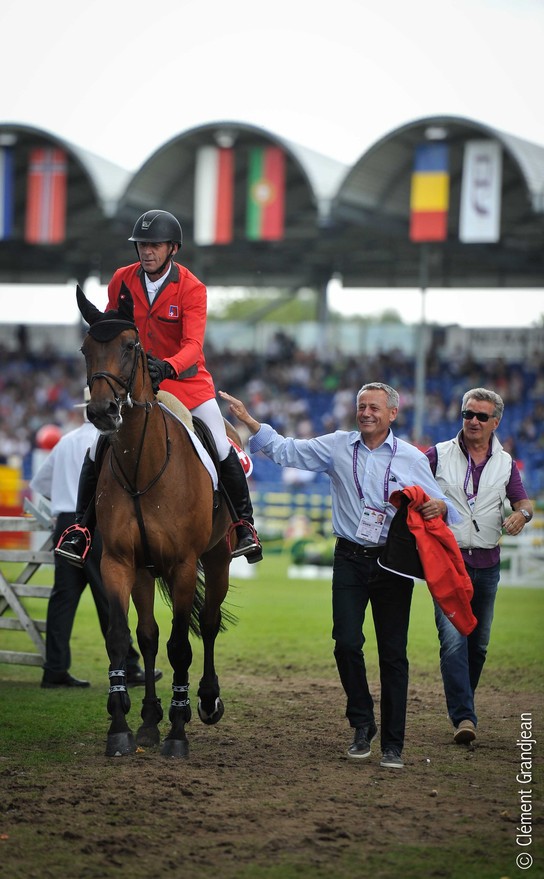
[121,477]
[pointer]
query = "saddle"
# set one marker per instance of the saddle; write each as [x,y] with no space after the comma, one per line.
[177,407]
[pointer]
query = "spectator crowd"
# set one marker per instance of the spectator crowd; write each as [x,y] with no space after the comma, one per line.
[301,393]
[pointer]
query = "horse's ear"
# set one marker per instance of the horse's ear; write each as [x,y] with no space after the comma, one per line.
[125,304]
[89,312]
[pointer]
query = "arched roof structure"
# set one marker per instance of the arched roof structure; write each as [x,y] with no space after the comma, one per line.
[352,221]
[371,213]
[167,180]
[93,188]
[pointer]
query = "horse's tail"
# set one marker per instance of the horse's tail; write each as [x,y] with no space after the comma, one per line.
[198,602]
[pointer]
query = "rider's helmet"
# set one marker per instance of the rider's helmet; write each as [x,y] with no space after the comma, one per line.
[157,226]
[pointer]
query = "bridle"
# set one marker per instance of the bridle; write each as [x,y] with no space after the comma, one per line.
[126,386]
[128,485]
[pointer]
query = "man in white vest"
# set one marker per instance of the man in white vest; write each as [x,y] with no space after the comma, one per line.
[478,476]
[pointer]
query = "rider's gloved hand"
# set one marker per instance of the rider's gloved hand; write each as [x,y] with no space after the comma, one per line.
[158,371]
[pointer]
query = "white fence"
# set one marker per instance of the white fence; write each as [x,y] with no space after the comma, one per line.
[14,616]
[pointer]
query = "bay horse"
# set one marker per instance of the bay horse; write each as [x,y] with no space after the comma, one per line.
[160,517]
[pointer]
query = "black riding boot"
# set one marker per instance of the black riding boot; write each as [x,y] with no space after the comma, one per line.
[235,484]
[75,541]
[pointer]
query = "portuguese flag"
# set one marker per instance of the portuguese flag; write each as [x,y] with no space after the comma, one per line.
[266,194]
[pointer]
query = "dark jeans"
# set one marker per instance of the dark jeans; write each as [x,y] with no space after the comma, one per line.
[462,658]
[356,581]
[63,603]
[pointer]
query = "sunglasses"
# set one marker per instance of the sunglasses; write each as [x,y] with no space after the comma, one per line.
[468,415]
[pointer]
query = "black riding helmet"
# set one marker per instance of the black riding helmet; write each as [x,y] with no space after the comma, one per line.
[157,226]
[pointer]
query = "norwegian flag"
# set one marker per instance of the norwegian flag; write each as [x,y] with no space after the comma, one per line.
[46,197]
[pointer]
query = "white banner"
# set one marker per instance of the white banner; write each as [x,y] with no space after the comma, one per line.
[514,344]
[480,219]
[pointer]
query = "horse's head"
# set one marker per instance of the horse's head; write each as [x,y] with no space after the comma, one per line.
[112,353]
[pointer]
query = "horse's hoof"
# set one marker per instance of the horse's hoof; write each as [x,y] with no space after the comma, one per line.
[214,716]
[175,748]
[148,737]
[120,744]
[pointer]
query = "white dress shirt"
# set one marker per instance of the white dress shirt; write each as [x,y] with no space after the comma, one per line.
[58,477]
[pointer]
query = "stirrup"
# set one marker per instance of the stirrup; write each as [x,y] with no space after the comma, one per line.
[77,560]
[246,551]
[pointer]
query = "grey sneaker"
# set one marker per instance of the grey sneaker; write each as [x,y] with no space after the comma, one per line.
[391,759]
[361,742]
[465,733]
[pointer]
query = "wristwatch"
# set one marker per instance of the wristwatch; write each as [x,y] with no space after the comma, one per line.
[526,514]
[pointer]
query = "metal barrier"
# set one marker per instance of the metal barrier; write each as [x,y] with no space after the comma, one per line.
[14,615]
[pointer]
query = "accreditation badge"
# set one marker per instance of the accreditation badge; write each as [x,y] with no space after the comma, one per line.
[371,524]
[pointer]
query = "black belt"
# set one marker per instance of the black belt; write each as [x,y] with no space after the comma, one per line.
[368,552]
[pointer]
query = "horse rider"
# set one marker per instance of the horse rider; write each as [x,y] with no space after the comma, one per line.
[170,309]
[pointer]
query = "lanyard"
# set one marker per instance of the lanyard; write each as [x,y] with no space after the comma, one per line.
[468,475]
[385,478]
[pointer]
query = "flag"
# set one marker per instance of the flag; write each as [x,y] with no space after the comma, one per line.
[429,197]
[480,215]
[6,192]
[46,197]
[214,195]
[266,194]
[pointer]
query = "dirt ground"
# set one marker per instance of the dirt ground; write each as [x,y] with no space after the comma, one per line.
[270,792]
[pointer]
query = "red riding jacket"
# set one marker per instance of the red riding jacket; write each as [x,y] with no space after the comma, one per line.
[172,328]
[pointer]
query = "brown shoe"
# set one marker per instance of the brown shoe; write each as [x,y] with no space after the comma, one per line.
[465,733]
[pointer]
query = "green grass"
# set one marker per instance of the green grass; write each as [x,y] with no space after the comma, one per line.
[287,623]
[284,626]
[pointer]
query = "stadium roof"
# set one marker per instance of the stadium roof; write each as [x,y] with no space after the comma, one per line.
[339,219]
[372,211]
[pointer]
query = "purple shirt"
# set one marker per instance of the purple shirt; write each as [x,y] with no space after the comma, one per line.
[515,491]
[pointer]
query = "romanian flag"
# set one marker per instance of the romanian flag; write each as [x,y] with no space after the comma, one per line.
[6,192]
[266,194]
[429,197]
[46,197]
[214,195]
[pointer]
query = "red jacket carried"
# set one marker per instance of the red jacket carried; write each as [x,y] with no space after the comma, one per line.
[440,557]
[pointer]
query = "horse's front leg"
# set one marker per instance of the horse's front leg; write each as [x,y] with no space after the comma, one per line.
[147,631]
[180,655]
[118,580]
[216,569]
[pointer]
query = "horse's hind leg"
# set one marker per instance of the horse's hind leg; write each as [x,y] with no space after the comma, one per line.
[216,568]
[210,704]
[147,632]
[180,655]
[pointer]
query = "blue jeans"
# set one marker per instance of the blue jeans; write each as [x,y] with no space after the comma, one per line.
[356,582]
[462,657]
